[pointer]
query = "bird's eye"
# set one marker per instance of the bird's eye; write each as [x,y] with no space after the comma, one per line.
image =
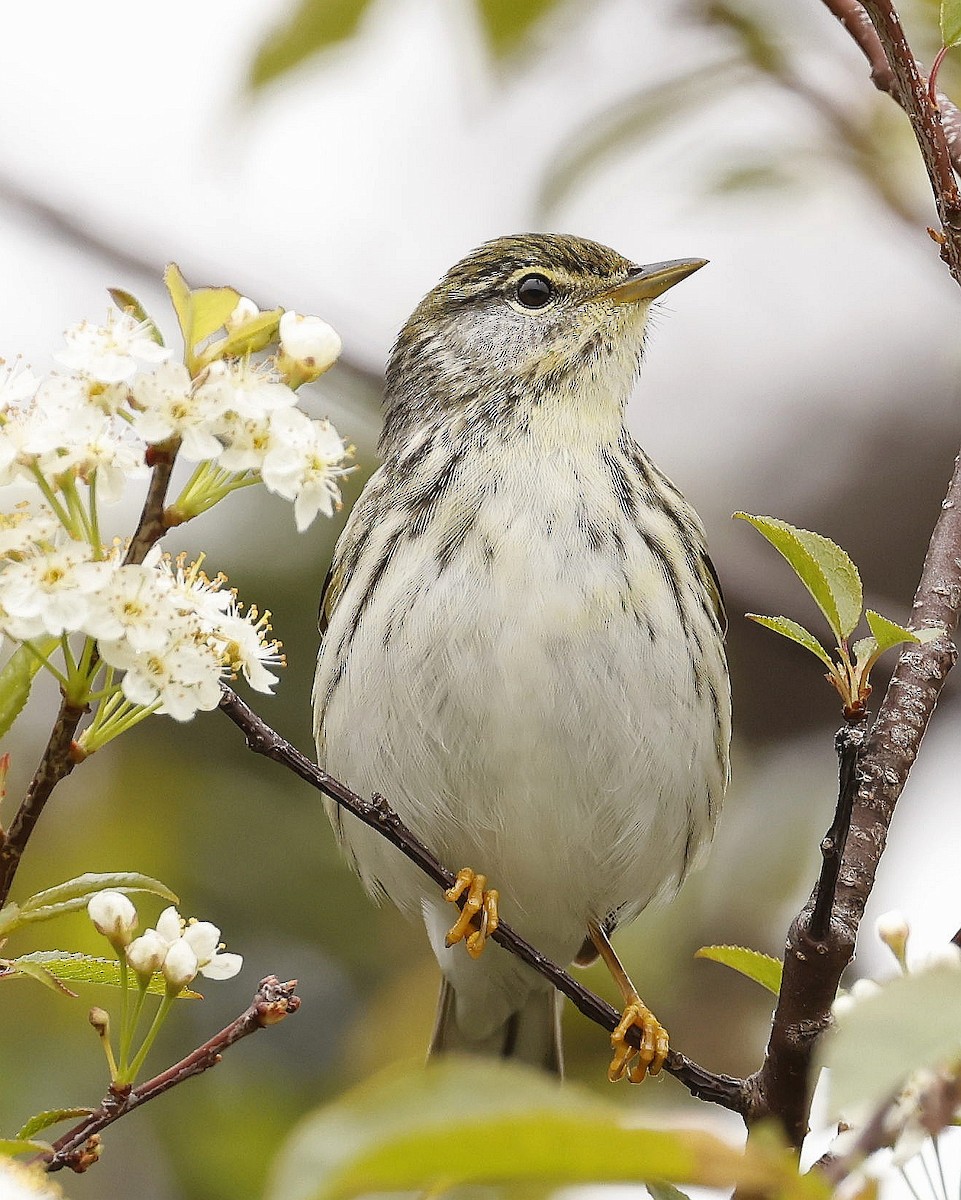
[534,291]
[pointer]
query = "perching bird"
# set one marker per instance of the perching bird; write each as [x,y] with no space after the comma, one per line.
[522,636]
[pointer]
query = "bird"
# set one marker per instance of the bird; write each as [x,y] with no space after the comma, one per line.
[523,640]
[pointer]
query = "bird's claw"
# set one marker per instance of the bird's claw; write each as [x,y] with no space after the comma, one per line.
[478,915]
[636,1063]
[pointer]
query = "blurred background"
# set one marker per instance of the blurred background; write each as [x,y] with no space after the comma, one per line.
[336,157]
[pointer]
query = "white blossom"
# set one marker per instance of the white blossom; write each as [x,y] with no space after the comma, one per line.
[22,527]
[111,353]
[166,404]
[113,915]
[245,441]
[180,965]
[304,464]
[17,382]
[182,678]
[204,939]
[52,587]
[309,342]
[252,390]
[183,948]
[247,650]
[135,606]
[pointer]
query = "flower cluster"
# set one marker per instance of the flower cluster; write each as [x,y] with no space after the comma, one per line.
[178,949]
[160,633]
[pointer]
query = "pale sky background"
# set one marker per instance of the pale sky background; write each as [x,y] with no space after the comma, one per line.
[349,188]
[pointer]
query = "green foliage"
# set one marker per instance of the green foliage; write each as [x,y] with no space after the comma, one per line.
[762,968]
[423,1129]
[201,312]
[74,895]
[823,567]
[56,968]
[314,25]
[666,1191]
[951,22]
[16,678]
[834,583]
[909,1024]
[52,1116]
[10,1147]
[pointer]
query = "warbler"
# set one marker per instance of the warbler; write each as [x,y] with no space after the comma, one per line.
[523,638]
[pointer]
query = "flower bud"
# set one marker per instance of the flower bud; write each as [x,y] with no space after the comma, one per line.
[99,1018]
[893,929]
[180,966]
[308,347]
[113,915]
[146,953]
[244,311]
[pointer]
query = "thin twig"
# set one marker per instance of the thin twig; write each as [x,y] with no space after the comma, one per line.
[79,1147]
[378,814]
[848,743]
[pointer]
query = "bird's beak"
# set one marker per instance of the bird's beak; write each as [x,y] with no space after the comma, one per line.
[647,283]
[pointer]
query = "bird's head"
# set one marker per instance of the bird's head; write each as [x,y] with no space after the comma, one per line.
[525,324]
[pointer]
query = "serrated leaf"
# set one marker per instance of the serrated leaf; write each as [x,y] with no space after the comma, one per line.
[887,633]
[863,649]
[52,1116]
[951,22]
[11,1147]
[74,894]
[506,23]
[821,565]
[762,968]
[922,1011]
[16,679]
[129,303]
[86,968]
[313,26]
[395,1133]
[11,968]
[796,633]
[179,293]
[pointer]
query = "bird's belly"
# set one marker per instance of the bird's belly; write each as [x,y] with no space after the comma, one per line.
[531,712]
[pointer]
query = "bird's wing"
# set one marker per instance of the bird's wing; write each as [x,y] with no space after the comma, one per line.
[713,585]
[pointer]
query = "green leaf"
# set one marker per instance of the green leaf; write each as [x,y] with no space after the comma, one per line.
[179,297]
[887,633]
[414,1130]
[824,569]
[16,679]
[129,303]
[506,22]
[74,894]
[10,1147]
[252,336]
[911,1023]
[314,26]
[201,312]
[11,968]
[797,633]
[864,649]
[951,22]
[53,1116]
[85,968]
[762,968]
[666,1191]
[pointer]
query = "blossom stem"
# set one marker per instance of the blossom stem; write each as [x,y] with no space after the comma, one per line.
[68,485]
[50,496]
[96,540]
[159,1017]
[125,1031]
[37,653]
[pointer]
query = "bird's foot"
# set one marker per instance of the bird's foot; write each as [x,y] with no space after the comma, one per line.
[478,915]
[636,1063]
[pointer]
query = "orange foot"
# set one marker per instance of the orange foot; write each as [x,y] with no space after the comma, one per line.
[628,1060]
[478,915]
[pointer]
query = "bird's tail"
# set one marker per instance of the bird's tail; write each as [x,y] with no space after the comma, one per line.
[531,1034]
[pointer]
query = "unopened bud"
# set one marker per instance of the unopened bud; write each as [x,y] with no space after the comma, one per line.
[99,1018]
[146,953]
[113,915]
[244,311]
[180,966]
[308,348]
[893,929]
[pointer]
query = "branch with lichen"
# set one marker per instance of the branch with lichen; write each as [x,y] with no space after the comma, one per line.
[79,1148]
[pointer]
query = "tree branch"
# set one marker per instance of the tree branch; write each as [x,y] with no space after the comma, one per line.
[724,1090]
[79,1147]
[812,965]
[848,743]
[856,21]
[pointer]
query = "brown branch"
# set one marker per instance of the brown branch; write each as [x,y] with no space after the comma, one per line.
[856,21]
[813,966]
[848,743]
[79,1147]
[377,813]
